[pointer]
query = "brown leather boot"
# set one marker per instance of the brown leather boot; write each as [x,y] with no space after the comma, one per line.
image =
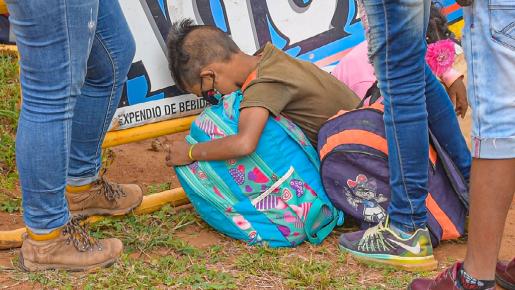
[69,248]
[103,198]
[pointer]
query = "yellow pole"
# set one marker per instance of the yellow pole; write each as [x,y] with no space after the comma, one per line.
[151,203]
[3,7]
[114,138]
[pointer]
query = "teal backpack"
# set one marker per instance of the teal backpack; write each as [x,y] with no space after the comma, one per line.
[274,196]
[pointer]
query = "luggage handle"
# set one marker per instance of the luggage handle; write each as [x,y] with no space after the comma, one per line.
[317,237]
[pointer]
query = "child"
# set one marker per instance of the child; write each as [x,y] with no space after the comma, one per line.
[355,71]
[205,61]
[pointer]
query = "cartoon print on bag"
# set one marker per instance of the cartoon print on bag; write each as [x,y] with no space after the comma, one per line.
[364,191]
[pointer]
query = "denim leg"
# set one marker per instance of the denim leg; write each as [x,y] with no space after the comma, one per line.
[54,38]
[109,62]
[444,124]
[397,49]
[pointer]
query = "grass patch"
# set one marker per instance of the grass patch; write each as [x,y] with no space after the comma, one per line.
[9,111]
[155,188]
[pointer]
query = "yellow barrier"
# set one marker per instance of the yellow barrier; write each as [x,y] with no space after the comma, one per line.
[3,7]
[114,138]
[151,203]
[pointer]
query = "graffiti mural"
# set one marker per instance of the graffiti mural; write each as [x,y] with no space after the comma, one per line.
[319,31]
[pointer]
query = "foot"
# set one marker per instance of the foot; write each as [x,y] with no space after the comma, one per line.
[69,248]
[381,245]
[445,281]
[103,198]
[505,274]
[451,279]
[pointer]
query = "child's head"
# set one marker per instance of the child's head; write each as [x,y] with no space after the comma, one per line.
[437,28]
[199,58]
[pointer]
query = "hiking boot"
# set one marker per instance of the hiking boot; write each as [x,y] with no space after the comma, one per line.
[505,274]
[447,280]
[68,248]
[381,245]
[103,198]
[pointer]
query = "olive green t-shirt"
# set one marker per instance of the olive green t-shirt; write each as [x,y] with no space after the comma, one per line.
[297,89]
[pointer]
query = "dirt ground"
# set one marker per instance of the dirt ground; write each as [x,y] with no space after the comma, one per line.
[138,163]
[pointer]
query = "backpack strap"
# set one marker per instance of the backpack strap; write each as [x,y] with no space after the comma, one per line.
[296,134]
[316,237]
[293,131]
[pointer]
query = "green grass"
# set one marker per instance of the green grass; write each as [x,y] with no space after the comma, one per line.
[9,110]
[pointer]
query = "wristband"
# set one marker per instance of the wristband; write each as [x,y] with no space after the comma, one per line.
[190,152]
[450,76]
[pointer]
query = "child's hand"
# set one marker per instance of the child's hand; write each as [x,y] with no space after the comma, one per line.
[177,154]
[458,94]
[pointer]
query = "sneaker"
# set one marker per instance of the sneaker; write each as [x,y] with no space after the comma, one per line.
[103,198]
[69,248]
[505,274]
[381,245]
[445,281]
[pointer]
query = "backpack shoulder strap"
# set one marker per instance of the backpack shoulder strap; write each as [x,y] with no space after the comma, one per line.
[296,134]
[293,131]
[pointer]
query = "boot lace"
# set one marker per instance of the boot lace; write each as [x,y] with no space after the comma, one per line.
[111,191]
[77,234]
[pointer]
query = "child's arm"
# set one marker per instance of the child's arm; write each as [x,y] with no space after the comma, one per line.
[458,94]
[250,126]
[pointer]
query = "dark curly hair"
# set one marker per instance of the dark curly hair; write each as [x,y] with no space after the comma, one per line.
[191,47]
[438,27]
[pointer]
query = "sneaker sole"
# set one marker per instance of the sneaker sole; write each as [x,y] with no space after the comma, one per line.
[503,283]
[106,212]
[28,266]
[418,264]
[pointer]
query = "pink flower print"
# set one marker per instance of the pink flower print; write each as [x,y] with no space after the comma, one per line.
[241,222]
[201,174]
[289,218]
[440,56]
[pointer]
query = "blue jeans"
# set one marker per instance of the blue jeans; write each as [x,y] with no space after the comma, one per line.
[489,42]
[414,100]
[74,58]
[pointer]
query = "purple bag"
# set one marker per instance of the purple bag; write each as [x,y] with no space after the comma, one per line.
[354,169]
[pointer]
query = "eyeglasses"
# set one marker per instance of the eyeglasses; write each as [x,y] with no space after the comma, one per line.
[209,95]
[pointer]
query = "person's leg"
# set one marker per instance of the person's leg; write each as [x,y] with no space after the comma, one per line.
[111,56]
[54,39]
[492,189]
[397,49]
[444,124]
[396,38]
[108,64]
[53,42]
[489,44]
[490,54]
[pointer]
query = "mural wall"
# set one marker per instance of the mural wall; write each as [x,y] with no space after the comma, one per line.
[319,31]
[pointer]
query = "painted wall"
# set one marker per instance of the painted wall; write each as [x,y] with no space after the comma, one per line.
[319,31]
